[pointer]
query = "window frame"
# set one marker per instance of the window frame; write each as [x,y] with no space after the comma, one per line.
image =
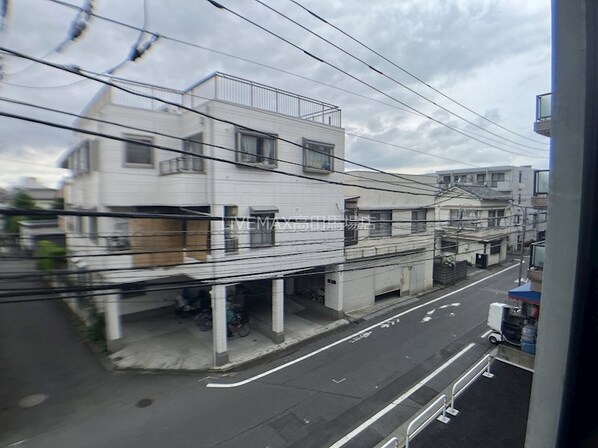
[92,229]
[196,164]
[495,216]
[148,140]
[323,145]
[231,234]
[449,246]
[495,246]
[499,174]
[419,227]
[380,229]
[240,133]
[256,229]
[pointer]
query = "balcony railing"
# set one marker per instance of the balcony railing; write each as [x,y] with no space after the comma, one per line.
[543,114]
[220,86]
[181,165]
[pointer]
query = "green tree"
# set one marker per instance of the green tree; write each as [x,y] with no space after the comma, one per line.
[22,201]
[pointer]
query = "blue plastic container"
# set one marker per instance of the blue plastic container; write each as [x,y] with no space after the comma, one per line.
[528,347]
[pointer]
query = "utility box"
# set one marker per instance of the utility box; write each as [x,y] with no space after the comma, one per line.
[481,261]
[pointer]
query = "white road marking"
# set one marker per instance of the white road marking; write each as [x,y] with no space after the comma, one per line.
[399,400]
[426,319]
[431,312]
[449,304]
[485,335]
[18,443]
[348,338]
[339,381]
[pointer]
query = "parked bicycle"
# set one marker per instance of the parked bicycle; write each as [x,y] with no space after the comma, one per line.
[239,323]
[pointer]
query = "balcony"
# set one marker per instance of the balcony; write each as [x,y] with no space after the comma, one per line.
[223,87]
[543,113]
[540,197]
[536,270]
[181,165]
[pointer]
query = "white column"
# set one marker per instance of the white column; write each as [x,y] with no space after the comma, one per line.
[278,310]
[113,323]
[219,325]
[333,290]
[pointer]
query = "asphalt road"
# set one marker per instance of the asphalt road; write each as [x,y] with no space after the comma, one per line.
[311,403]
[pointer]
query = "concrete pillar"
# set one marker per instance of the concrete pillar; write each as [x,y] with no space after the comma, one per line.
[219,325]
[333,290]
[278,310]
[113,322]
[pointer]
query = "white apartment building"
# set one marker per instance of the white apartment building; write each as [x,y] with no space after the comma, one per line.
[389,250]
[255,131]
[473,225]
[515,181]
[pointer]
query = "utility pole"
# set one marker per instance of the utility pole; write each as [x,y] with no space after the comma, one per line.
[522,244]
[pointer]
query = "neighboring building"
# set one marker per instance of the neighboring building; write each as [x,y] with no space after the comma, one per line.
[473,225]
[115,176]
[388,243]
[43,197]
[516,182]
[32,232]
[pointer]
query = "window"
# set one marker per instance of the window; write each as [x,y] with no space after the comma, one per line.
[449,246]
[262,230]
[194,146]
[455,217]
[462,179]
[495,218]
[119,240]
[418,221]
[317,157]
[520,176]
[495,247]
[78,224]
[92,228]
[446,179]
[139,153]
[480,179]
[538,256]
[256,149]
[496,178]
[231,239]
[380,223]
[351,225]
[83,150]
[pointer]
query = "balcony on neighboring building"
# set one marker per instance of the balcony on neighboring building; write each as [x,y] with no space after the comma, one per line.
[536,266]
[183,164]
[540,197]
[543,112]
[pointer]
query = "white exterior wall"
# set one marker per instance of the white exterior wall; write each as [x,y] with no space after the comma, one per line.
[118,188]
[400,262]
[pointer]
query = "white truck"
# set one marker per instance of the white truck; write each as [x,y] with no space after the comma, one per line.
[506,323]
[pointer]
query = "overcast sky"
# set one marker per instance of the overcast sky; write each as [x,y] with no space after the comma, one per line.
[492,56]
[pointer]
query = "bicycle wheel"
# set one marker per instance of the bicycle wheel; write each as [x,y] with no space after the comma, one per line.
[243,330]
[204,322]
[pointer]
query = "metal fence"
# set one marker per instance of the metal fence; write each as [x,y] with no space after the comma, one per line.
[248,93]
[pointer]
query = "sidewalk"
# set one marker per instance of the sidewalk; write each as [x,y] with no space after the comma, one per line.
[170,343]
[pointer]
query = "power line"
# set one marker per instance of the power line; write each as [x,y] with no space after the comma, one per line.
[430,187]
[409,73]
[229,279]
[79,72]
[379,71]
[356,78]
[178,151]
[250,61]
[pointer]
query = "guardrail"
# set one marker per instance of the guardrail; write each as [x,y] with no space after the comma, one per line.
[430,413]
[394,443]
[481,368]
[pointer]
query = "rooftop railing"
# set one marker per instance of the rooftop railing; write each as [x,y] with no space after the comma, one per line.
[223,87]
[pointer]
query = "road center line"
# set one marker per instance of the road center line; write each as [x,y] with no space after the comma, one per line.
[399,400]
[348,338]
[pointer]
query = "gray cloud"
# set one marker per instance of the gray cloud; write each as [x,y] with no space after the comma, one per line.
[494,56]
